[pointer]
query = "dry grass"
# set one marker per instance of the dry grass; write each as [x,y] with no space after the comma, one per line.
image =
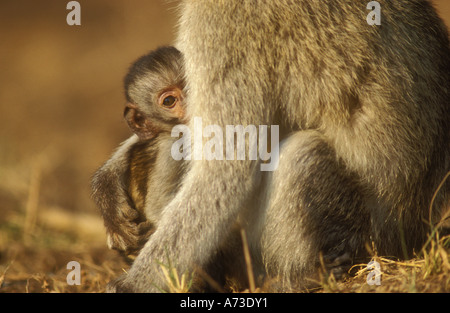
[428,272]
[34,251]
[175,282]
[37,242]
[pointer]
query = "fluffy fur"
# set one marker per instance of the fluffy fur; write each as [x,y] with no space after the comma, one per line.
[370,105]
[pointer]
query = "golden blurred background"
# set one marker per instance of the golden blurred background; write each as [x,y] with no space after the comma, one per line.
[61,94]
[61,102]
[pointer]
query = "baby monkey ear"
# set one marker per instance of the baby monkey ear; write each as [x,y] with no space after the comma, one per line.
[139,122]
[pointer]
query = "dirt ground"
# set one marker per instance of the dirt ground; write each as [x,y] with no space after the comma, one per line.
[61,101]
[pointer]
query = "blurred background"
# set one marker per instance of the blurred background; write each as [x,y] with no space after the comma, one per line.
[61,102]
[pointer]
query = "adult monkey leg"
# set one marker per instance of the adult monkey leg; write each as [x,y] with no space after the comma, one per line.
[318,208]
[379,95]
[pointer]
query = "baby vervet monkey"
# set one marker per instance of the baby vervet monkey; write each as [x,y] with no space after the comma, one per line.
[138,172]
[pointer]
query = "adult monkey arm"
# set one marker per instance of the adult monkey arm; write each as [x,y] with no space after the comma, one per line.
[207,216]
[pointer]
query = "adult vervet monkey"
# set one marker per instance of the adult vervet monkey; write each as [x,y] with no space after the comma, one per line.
[370,105]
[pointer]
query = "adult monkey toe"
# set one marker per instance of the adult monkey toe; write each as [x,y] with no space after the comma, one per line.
[370,105]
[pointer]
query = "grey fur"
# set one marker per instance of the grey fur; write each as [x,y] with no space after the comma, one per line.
[370,105]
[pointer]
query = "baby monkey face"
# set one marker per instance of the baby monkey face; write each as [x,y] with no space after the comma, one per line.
[154,91]
[160,115]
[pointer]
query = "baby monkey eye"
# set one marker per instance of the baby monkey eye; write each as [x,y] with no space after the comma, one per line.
[169,101]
